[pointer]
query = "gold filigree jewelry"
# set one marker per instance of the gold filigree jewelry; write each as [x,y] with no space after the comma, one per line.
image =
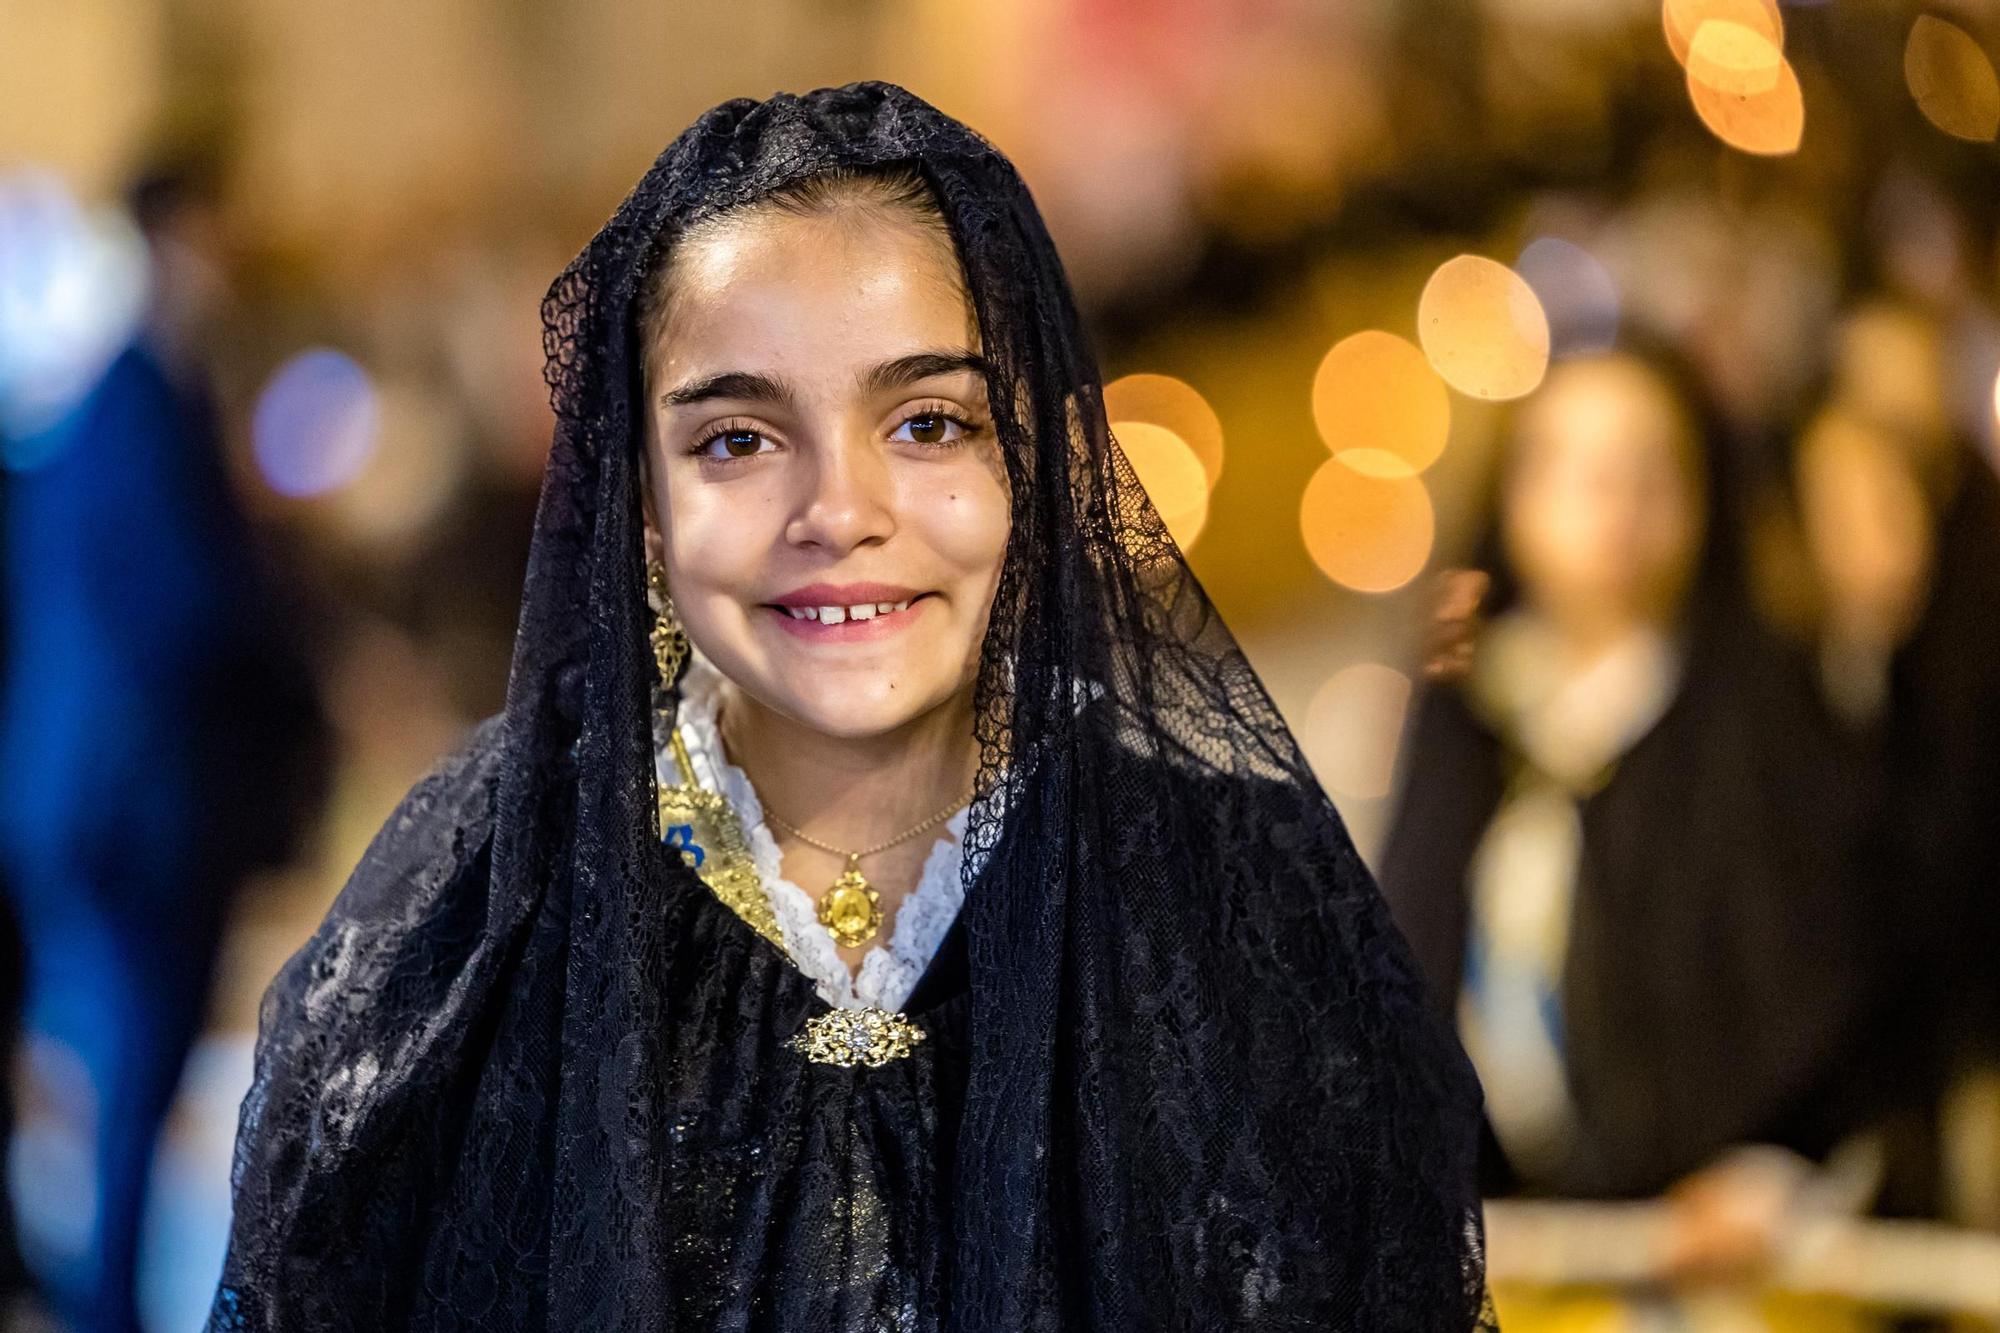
[850,1037]
[851,908]
[670,640]
[703,827]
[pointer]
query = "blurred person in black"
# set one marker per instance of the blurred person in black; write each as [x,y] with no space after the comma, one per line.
[1621,843]
[1900,514]
[159,734]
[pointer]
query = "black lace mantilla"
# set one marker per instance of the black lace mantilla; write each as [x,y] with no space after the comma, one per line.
[1176,1069]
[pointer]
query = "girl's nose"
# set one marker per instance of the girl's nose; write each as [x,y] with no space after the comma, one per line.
[845,497]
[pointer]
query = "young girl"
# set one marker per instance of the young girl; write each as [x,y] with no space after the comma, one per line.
[888,900]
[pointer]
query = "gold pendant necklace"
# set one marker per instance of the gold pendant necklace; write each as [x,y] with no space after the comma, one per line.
[851,908]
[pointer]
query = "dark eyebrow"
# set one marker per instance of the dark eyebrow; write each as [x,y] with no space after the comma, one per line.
[921,366]
[756,387]
[748,385]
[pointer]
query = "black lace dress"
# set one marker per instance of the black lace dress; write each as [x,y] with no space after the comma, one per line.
[1177,1070]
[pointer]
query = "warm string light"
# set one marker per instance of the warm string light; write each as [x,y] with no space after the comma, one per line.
[1173,439]
[1383,410]
[1171,474]
[1952,79]
[1684,19]
[1483,328]
[1175,404]
[1738,79]
[1768,124]
[1366,533]
[1732,59]
[1379,406]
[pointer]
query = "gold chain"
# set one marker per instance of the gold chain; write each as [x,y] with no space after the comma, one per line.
[905,836]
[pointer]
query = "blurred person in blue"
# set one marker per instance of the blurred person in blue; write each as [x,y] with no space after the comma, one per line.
[15,1286]
[1621,846]
[158,730]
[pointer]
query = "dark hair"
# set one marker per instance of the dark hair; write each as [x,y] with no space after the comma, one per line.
[1711,454]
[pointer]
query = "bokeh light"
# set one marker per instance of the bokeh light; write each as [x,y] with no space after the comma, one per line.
[1162,400]
[1951,79]
[1367,533]
[1731,58]
[1379,406]
[416,465]
[1770,123]
[73,286]
[1684,20]
[1172,475]
[1483,328]
[1579,296]
[316,423]
[1353,728]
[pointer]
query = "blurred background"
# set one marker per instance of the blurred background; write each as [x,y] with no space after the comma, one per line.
[1584,412]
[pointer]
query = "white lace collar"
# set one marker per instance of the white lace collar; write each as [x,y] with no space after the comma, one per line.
[889,971]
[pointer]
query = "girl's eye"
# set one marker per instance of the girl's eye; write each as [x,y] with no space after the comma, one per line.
[929,426]
[732,442]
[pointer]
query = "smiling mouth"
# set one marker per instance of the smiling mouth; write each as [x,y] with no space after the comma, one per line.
[852,620]
[834,615]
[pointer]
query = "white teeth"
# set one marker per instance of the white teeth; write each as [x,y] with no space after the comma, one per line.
[835,615]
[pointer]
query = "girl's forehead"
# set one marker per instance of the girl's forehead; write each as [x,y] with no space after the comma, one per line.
[767,246]
[745,303]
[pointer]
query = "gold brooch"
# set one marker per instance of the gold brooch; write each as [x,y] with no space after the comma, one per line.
[850,1037]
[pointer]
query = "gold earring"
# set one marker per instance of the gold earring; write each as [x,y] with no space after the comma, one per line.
[670,640]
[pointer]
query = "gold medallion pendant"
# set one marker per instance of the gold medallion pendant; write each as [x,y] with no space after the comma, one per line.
[851,908]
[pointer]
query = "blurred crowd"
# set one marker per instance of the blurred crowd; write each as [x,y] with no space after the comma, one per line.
[1704,868]
[1669,720]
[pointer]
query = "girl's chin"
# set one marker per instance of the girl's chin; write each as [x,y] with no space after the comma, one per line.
[854,692]
[863,711]
[858,719]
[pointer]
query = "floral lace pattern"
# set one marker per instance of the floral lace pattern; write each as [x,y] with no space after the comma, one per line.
[889,971]
[1178,1070]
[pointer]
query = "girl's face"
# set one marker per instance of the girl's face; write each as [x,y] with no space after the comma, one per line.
[1599,510]
[822,479]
